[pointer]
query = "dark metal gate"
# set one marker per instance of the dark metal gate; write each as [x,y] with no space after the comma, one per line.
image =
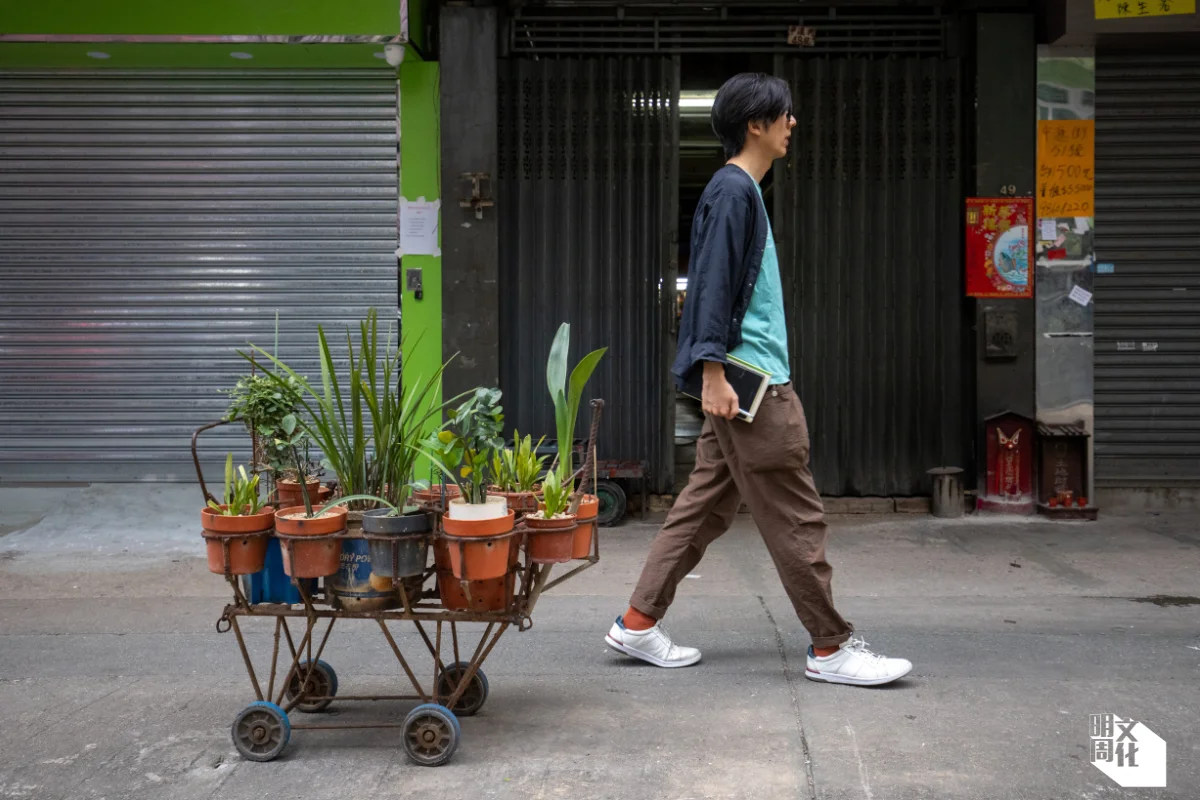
[586,204]
[867,218]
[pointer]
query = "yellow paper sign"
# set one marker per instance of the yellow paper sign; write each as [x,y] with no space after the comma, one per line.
[1128,9]
[1066,155]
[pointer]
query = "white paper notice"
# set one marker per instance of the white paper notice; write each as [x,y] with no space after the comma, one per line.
[419,228]
[1081,295]
[1049,230]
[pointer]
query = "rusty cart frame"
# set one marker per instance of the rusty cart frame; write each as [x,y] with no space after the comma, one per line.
[298,679]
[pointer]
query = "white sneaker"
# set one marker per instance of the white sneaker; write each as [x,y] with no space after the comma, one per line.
[854,664]
[653,646]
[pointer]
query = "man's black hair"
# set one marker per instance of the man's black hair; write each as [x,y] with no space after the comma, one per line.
[749,97]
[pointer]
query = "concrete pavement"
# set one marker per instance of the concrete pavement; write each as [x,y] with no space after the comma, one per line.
[115,684]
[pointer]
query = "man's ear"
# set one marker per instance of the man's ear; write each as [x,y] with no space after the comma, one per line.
[756,127]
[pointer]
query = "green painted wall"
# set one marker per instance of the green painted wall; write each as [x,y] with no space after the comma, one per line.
[206,17]
[420,176]
[125,55]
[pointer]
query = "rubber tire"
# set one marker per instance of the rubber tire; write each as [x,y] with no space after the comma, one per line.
[612,503]
[451,729]
[256,708]
[331,677]
[446,688]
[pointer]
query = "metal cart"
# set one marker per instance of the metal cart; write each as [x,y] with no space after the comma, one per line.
[300,681]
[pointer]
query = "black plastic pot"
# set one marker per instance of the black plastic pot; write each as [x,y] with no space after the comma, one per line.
[405,550]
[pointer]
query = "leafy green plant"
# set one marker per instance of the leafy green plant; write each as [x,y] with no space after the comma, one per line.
[379,463]
[241,492]
[517,469]
[527,465]
[503,470]
[463,450]
[566,396]
[556,496]
[261,403]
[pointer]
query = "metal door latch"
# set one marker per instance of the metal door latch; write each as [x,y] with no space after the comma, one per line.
[480,193]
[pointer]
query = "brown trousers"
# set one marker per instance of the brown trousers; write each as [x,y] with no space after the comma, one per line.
[765,462]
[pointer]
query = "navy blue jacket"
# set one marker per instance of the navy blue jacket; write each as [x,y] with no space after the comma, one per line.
[729,235]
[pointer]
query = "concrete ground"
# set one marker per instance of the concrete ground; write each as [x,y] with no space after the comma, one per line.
[114,683]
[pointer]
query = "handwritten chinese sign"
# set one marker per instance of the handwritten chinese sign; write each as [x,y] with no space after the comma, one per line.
[1127,9]
[998,246]
[1066,156]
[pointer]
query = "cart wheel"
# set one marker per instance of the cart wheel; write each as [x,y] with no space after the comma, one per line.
[260,731]
[431,734]
[612,503]
[322,683]
[475,695]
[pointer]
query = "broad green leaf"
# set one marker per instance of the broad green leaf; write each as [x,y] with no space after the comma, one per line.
[289,424]
[556,365]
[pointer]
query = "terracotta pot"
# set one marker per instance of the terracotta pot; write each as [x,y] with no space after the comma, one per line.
[433,495]
[589,509]
[290,495]
[479,561]
[490,595]
[264,520]
[247,553]
[550,541]
[520,502]
[316,559]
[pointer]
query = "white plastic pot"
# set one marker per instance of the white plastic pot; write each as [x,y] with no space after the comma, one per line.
[495,507]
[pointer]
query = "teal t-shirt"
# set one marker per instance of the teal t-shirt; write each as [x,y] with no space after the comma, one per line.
[764,332]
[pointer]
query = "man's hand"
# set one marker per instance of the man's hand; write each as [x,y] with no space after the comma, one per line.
[717,397]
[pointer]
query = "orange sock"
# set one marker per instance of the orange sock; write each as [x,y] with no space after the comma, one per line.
[822,652]
[637,621]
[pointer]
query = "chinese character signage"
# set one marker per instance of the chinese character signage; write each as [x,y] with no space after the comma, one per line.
[1128,752]
[998,246]
[1066,163]
[1127,9]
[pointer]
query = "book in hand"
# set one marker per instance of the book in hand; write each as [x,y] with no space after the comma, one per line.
[750,383]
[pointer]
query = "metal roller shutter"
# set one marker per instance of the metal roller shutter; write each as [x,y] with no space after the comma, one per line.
[868,210]
[151,223]
[1148,308]
[586,194]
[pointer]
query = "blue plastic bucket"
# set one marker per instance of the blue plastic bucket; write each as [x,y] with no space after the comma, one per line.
[272,585]
[351,587]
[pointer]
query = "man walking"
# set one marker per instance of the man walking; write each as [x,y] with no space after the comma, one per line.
[734,307]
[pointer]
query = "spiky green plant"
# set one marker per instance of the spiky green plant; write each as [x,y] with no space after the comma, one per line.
[379,463]
[241,492]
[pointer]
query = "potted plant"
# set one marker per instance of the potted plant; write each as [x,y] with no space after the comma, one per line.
[551,529]
[321,556]
[585,532]
[463,452]
[430,494]
[368,428]
[567,397]
[262,401]
[515,472]
[398,537]
[241,520]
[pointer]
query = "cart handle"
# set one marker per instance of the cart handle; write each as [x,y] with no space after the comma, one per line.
[589,454]
[196,458]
